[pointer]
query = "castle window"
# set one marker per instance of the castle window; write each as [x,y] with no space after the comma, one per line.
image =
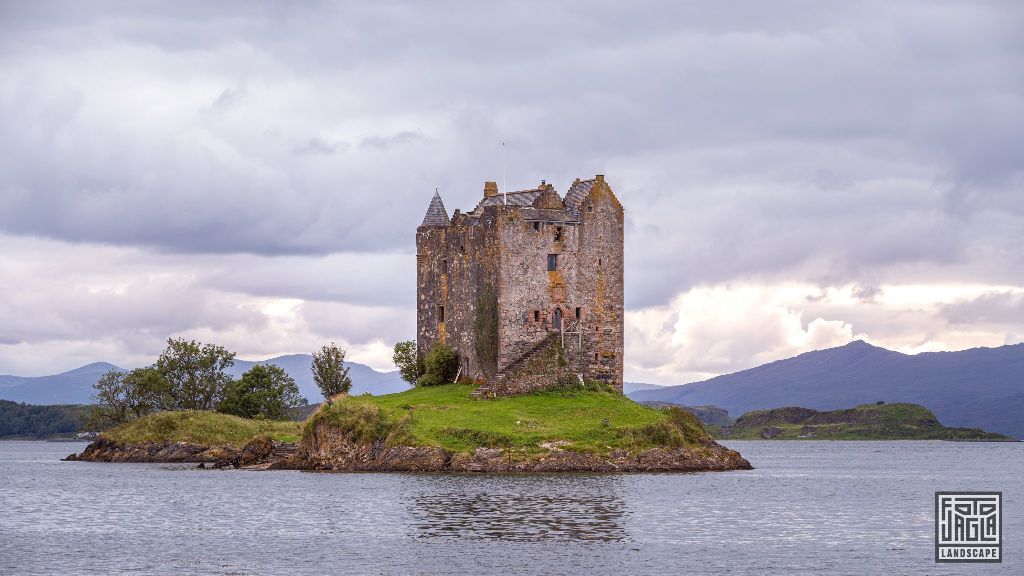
[440,313]
[444,266]
[558,233]
[552,262]
[595,356]
[536,225]
[462,248]
[536,315]
[577,312]
[598,261]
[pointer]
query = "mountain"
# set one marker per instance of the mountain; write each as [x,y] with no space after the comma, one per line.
[75,386]
[630,387]
[299,367]
[976,388]
[71,387]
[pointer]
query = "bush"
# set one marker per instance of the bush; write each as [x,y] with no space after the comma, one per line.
[262,392]
[442,365]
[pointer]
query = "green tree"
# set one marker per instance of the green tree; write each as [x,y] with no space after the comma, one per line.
[195,373]
[330,372]
[121,396]
[441,366]
[266,391]
[409,364]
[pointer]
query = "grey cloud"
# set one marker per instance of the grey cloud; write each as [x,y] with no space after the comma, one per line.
[318,146]
[1005,308]
[836,144]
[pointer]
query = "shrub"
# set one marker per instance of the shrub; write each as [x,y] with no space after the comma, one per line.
[442,364]
[264,391]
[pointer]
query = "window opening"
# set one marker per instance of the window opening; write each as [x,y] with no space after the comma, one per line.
[552,262]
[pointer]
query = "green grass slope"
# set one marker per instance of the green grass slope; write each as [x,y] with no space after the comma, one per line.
[446,416]
[206,428]
[897,421]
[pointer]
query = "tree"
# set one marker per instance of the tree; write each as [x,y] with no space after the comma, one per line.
[121,396]
[441,366]
[409,364]
[266,391]
[330,372]
[194,373]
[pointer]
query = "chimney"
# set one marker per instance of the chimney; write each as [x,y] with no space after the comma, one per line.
[490,189]
[600,178]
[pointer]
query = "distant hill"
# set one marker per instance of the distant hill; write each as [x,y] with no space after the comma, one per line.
[75,386]
[630,387]
[898,421]
[28,421]
[977,388]
[71,387]
[299,367]
[708,415]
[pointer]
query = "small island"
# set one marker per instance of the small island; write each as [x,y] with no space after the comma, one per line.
[881,421]
[434,429]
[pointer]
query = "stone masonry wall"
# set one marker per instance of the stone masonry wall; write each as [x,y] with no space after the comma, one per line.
[508,252]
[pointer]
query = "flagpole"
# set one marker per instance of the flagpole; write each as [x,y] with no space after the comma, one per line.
[504,177]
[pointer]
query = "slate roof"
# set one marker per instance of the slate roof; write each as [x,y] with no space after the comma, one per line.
[517,198]
[575,196]
[436,214]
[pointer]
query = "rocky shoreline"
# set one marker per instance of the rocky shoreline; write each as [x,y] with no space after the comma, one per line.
[328,448]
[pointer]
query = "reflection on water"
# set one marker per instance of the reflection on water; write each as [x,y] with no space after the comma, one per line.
[512,508]
[809,507]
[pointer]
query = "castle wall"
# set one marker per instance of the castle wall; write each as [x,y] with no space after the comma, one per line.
[454,266]
[507,251]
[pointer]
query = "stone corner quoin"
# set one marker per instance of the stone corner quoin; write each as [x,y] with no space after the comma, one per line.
[527,287]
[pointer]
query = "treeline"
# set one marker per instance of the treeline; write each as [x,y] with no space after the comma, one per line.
[190,375]
[30,421]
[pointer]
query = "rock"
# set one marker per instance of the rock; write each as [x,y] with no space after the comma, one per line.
[770,432]
[255,451]
[329,448]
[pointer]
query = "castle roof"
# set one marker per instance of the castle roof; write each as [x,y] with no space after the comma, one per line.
[517,198]
[576,194]
[436,214]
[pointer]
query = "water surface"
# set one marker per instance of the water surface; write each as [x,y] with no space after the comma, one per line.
[808,508]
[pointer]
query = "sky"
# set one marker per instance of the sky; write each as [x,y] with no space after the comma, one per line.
[796,174]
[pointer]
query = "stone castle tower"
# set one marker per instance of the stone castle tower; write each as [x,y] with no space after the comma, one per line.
[527,288]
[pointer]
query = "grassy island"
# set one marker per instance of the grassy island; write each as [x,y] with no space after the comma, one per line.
[205,428]
[896,421]
[435,429]
[448,417]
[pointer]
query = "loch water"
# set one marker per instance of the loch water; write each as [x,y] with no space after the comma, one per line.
[808,508]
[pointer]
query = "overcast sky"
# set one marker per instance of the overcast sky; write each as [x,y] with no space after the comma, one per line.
[795,174]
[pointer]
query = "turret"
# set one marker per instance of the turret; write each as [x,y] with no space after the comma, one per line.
[436,214]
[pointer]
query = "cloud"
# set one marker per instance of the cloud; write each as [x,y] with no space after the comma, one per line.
[213,158]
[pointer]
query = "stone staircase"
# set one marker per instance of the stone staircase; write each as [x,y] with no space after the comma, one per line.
[283,450]
[485,391]
[538,348]
[481,391]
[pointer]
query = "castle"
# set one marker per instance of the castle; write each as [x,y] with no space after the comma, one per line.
[527,287]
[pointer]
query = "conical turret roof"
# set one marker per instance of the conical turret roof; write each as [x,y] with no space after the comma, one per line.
[436,214]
